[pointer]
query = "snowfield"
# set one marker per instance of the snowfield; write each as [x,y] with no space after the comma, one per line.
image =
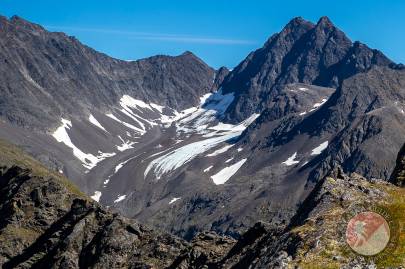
[291,160]
[185,154]
[320,148]
[94,121]
[96,196]
[225,174]
[88,160]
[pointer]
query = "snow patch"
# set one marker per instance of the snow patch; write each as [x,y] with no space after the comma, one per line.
[211,107]
[96,196]
[185,154]
[208,168]
[157,107]
[239,149]
[317,105]
[219,151]
[227,161]
[128,101]
[204,98]
[120,198]
[107,180]
[225,174]
[88,160]
[320,148]
[125,144]
[174,200]
[119,166]
[130,126]
[303,89]
[95,122]
[291,160]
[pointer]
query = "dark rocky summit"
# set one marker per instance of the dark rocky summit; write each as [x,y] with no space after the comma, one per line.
[304,52]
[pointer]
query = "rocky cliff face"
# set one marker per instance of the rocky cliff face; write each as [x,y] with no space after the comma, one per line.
[46,76]
[304,52]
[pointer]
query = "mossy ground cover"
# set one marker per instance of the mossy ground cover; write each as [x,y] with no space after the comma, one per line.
[11,155]
[323,242]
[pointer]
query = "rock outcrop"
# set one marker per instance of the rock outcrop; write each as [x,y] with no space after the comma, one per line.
[398,176]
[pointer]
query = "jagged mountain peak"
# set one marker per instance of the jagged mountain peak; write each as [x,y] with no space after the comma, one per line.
[319,54]
[324,21]
[295,23]
[188,53]
[301,53]
[17,21]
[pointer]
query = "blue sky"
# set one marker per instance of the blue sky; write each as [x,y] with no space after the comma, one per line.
[221,32]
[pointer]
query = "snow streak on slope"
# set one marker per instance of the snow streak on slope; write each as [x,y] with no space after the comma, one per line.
[212,108]
[320,148]
[317,105]
[291,160]
[174,200]
[130,126]
[225,174]
[128,103]
[88,160]
[185,154]
[208,168]
[125,144]
[219,151]
[120,198]
[94,121]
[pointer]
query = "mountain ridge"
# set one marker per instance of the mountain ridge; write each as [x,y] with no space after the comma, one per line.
[184,148]
[46,61]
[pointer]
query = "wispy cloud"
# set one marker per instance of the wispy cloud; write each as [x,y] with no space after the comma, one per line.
[158,36]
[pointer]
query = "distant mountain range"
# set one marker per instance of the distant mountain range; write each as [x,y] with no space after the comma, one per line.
[185,148]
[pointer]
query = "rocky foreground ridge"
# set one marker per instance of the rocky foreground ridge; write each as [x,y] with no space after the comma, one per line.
[47,223]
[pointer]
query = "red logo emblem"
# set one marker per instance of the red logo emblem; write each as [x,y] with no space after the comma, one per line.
[368,233]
